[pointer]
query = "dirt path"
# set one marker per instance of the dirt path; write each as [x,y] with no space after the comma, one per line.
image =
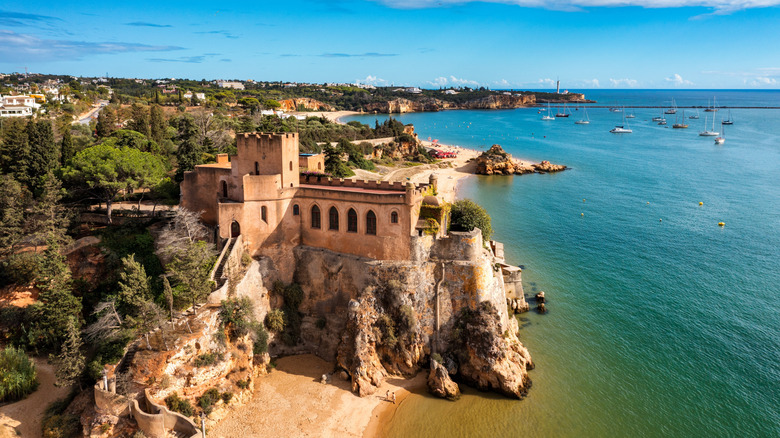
[25,415]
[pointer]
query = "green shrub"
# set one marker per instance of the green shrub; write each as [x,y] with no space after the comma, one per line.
[243,384]
[260,344]
[21,269]
[387,330]
[61,426]
[227,396]
[208,400]
[246,259]
[437,357]
[17,374]
[208,359]
[180,405]
[274,320]
[467,215]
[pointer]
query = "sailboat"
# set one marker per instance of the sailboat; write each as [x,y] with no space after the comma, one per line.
[672,110]
[562,112]
[630,116]
[695,116]
[707,133]
[584,121]
[660,119]
[722,137]
[713,108]
[548,116]
[622,129]
[679,124]
[728,121]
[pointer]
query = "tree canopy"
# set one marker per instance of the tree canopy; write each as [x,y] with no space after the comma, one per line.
[467,215]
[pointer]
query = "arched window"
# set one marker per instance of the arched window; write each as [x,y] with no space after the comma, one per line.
[319,166]
[315,217]
[352,221]
[235,229]
[333,219]
[264,213]
[370,223]
[257,168]
[296,210]
[224,189]
[394,217]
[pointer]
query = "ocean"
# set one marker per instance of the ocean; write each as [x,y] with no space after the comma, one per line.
[661,323]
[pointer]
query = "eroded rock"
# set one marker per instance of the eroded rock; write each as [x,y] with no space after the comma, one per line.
[440,384]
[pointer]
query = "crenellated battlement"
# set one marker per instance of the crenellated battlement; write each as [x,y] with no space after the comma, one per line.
[397,186]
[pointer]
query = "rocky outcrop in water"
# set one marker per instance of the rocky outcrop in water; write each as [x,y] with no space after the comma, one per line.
[488,359]
[425,103]
[495,161]
[440,384]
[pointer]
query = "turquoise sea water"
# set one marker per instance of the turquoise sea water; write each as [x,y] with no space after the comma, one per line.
[661,322]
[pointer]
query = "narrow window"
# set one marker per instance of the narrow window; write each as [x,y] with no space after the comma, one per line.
[257,168]
[319,166]
[224,189]
[290,165]
[264,213]
[352,221]
[296,210]
[370,223]
[333,219]
[315,217]
[394,217]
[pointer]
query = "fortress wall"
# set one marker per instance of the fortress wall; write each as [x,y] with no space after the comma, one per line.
[200,190]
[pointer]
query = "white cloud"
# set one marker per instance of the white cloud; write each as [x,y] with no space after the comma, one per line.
[372,80]
[625,82]
[502,83]
[591,83]
[718,5]
[546,82]
[763,81]
[678,80]
[442,81]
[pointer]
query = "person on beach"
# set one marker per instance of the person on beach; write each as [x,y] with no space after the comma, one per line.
[392,397]
[387,395]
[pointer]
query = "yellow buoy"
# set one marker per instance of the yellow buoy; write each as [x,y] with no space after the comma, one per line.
[648,202]
[720,224]
[583,200]
[701,203]
[582,214]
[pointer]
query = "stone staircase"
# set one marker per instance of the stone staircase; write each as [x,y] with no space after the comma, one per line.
[218,273]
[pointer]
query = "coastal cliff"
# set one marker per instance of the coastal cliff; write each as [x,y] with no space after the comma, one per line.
[497,101]
[304,103]
[495,161]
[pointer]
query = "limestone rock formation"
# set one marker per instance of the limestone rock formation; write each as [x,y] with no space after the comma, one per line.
[440,384]
[305,103]
[495,161]
[357,353]
[425,103]
[489,359]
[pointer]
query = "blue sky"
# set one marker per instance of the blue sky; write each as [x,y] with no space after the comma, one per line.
[497,43]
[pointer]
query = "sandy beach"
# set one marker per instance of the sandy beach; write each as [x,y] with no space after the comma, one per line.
[291,401]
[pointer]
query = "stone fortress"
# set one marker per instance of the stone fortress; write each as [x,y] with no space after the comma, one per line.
[261,194]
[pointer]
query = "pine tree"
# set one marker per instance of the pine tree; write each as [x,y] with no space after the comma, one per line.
[168,296]
[157,121]
[15,150]
[190,270]
[106,122]
[50,219]
[70,362]
[57,303]
[140,119]
[11,214]
[189,154]
[44,152]
[134,288]
[67,149]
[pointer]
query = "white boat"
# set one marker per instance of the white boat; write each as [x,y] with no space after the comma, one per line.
[622,129]
[548,116]
[694,116]
[712,133]
[630,116]
[584,121]
[722,137]
[672,110]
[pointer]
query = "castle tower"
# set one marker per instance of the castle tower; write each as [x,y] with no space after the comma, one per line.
[268,154]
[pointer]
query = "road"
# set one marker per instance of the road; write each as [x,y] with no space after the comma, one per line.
[92,114]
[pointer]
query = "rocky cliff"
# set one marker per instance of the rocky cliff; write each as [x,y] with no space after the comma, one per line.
[495,161]
[496,101]
[304,103]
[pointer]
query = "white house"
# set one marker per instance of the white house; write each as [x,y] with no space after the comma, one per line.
[17,106]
